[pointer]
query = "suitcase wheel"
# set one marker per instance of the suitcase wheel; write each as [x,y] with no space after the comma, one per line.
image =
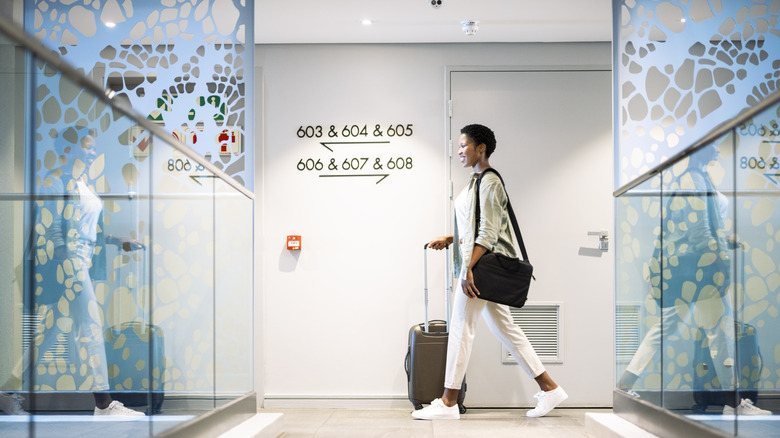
[462,409]
[417,407]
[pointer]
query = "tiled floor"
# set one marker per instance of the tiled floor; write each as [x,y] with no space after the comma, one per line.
[492,423]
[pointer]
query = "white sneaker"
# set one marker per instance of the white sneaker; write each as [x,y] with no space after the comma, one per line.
[11,404]
[547,401]
[437,410]
[117,408]
[745,408]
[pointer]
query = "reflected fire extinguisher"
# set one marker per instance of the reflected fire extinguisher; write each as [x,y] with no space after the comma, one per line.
[229,142]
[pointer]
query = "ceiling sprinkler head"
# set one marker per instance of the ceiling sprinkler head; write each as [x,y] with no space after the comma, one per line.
[470,27]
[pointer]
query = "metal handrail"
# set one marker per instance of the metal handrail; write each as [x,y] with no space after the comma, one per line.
[130,196]
[28,42]
[666,192]
[707,139]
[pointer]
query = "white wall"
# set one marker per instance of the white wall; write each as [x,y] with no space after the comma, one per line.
[336,314]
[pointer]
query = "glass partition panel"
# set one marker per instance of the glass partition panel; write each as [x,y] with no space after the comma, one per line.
[126,270]
[698,282]
[85,344]
[756,170]
[102,172]
[696,259]
[12,206]
[638,292]
[182,278]
[233,302]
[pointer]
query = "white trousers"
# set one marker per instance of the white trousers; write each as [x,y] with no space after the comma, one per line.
[463,323]
[79,318]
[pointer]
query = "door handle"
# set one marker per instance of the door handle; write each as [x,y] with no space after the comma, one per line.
[603,239]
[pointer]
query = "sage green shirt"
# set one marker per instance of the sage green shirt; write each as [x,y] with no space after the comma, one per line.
[495,227]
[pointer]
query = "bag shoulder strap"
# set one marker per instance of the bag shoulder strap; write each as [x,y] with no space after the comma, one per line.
[509,210]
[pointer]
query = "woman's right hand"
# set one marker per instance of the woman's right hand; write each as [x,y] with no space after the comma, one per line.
[440,242]
[468,287]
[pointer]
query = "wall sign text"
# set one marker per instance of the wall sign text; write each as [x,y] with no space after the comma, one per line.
[373,160]
[354,131]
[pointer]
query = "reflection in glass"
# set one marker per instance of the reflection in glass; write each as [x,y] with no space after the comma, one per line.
[689,276]
[639,218]
[68,252]
[125,261]
[698,284]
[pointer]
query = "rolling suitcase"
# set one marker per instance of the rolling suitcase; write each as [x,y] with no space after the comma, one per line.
[135,355]
[134,352]
[426,354]
[748,365]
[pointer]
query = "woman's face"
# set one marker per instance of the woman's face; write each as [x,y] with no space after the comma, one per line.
[467,152]
[87,152]
[711,153]
[705,156]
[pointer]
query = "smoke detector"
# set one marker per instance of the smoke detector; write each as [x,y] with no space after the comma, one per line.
[470,28]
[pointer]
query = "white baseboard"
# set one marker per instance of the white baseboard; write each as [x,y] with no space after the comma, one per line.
[303,401]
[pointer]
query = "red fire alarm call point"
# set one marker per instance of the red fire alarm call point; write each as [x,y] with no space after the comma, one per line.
[294,243]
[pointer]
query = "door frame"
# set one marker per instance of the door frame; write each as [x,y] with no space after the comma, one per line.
[450,142]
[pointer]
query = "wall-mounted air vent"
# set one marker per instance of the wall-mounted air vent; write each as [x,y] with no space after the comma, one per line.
[542,324]
[60,348]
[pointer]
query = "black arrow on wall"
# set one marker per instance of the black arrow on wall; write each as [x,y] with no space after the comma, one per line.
[383,175]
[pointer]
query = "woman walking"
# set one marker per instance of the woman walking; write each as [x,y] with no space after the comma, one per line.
[477,143]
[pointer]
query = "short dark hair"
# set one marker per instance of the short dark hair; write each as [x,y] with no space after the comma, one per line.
[481,134]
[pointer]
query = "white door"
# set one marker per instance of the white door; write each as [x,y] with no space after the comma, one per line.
[554,150]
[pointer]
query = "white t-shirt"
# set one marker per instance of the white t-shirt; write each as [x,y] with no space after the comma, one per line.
[91,207]
[462,208]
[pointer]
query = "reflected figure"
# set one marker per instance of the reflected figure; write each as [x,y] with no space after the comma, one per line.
[690,278]
[68,254]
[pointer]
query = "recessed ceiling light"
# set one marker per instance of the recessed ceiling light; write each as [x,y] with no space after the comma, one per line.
[110,24]
[366,22]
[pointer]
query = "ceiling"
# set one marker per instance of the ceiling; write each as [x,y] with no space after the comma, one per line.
[416,21]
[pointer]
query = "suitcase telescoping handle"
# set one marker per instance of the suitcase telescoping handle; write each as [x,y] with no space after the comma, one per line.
[146,300]
[447,286]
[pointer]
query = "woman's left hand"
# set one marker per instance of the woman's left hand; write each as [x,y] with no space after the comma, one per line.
[126,243]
